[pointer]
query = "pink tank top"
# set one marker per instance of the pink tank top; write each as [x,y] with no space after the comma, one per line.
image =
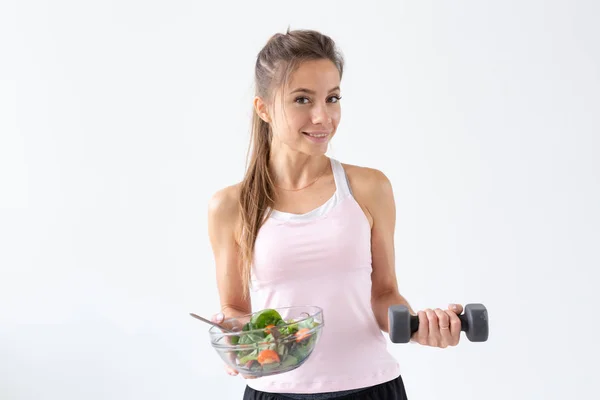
[323,258]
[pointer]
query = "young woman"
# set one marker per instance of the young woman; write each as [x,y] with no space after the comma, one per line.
[309,230]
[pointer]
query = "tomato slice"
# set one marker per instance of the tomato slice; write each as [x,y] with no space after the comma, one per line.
[268,356]
[302,334]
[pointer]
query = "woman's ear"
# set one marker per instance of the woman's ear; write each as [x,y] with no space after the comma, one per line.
[261,109]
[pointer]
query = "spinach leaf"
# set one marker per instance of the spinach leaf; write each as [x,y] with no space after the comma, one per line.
[266,317]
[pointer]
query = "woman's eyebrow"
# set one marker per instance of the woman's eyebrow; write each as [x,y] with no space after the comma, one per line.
[312,91]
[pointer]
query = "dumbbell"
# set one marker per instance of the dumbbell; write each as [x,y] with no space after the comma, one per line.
[402,324]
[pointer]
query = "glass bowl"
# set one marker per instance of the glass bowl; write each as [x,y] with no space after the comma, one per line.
[270,341]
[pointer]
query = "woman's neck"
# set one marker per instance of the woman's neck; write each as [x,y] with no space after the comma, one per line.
[294,171]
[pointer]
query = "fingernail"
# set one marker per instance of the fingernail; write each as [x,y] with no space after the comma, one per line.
[454,306]
[220,316]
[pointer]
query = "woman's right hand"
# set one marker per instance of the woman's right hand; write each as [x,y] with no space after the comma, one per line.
[218,319]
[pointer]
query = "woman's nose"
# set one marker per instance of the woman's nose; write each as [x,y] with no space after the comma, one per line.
[322,115]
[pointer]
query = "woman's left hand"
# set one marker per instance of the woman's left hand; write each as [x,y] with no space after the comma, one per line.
[439,328]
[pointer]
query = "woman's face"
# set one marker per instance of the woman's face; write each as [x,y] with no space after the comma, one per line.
[312,109]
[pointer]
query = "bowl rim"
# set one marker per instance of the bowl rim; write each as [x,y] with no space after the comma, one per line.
[214,331]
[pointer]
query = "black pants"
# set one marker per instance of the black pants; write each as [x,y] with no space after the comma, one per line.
[391,390]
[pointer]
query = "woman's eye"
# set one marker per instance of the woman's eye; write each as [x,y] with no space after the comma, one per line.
[338,98]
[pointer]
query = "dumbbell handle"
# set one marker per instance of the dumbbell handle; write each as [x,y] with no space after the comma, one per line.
[414,323]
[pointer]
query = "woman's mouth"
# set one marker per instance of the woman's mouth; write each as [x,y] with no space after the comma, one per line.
[317,137]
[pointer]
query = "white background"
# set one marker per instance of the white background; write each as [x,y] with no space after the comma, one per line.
[119,119]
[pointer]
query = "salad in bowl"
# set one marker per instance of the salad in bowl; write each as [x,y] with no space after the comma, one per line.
[270,341]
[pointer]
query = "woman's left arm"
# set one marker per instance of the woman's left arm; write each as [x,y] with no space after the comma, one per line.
[438,328]
[382,208]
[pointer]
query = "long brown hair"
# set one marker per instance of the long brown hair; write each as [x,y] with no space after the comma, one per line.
[279,58]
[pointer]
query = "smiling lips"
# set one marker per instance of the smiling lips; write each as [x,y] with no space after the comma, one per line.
[317,134]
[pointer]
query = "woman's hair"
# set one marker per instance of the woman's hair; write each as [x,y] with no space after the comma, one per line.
[279,58]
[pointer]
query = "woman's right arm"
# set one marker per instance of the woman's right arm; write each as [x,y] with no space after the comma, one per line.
[223,222]
[223,225]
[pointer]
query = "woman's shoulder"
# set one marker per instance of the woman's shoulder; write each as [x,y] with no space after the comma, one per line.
[371,189]
[366,178]
[223,212]
[224,203]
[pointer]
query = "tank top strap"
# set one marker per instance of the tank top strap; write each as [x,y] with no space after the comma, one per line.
[341,180]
